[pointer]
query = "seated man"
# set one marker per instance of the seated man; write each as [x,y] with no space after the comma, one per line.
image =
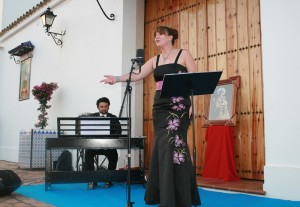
[111,154]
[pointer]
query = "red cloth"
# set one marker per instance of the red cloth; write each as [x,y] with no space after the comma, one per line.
[219,157]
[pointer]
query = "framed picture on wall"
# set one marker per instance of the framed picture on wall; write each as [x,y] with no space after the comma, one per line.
[24,87]
[219,108]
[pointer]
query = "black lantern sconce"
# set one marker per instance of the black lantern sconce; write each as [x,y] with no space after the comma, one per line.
[48,19]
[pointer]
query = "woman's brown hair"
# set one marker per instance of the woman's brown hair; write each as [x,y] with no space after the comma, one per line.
[168,31]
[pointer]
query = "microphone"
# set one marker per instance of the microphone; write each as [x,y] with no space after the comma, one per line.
[140,58]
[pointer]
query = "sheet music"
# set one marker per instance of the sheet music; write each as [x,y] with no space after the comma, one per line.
[100,127]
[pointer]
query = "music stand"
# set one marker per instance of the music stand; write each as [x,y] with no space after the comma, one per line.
[190,84]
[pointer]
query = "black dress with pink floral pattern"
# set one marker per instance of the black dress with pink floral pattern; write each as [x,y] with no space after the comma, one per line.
[171,181]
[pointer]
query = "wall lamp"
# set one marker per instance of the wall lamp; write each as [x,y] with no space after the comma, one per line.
[48,19]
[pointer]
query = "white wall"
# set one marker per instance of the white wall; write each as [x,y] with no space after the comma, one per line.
[1,12]
[280,46]
[92,47]
[132,39]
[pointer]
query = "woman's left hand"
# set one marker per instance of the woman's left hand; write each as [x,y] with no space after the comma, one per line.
[109,79]
[190,113]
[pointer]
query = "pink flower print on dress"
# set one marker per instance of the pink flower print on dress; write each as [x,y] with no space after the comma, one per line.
[179,141]
[178,107]
[177,99]
[173,124]
[178,157]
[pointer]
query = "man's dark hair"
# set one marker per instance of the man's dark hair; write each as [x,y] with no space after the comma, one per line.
[103,99]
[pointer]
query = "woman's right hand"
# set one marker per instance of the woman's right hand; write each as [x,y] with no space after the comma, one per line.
[109,79]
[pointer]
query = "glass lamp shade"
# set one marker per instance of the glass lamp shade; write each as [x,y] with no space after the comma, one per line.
[48,18]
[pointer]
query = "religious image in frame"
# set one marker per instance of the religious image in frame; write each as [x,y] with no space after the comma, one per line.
[220,106]
[24,89]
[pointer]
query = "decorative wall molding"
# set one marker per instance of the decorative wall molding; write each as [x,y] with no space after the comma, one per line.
[23,48]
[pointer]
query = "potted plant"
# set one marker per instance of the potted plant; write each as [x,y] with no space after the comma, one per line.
[43,93]
[32,141]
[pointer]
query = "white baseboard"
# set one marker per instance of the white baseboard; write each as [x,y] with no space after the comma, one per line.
[282,182]
[9,154]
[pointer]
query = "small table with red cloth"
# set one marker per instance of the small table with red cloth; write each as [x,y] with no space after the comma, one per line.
[219,157]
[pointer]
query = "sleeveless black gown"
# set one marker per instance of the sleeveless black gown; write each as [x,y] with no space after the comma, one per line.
[171,181]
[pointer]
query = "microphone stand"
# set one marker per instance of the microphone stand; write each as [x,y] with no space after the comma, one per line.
[128,90]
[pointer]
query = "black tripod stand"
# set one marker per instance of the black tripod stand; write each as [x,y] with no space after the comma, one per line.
[128,90]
